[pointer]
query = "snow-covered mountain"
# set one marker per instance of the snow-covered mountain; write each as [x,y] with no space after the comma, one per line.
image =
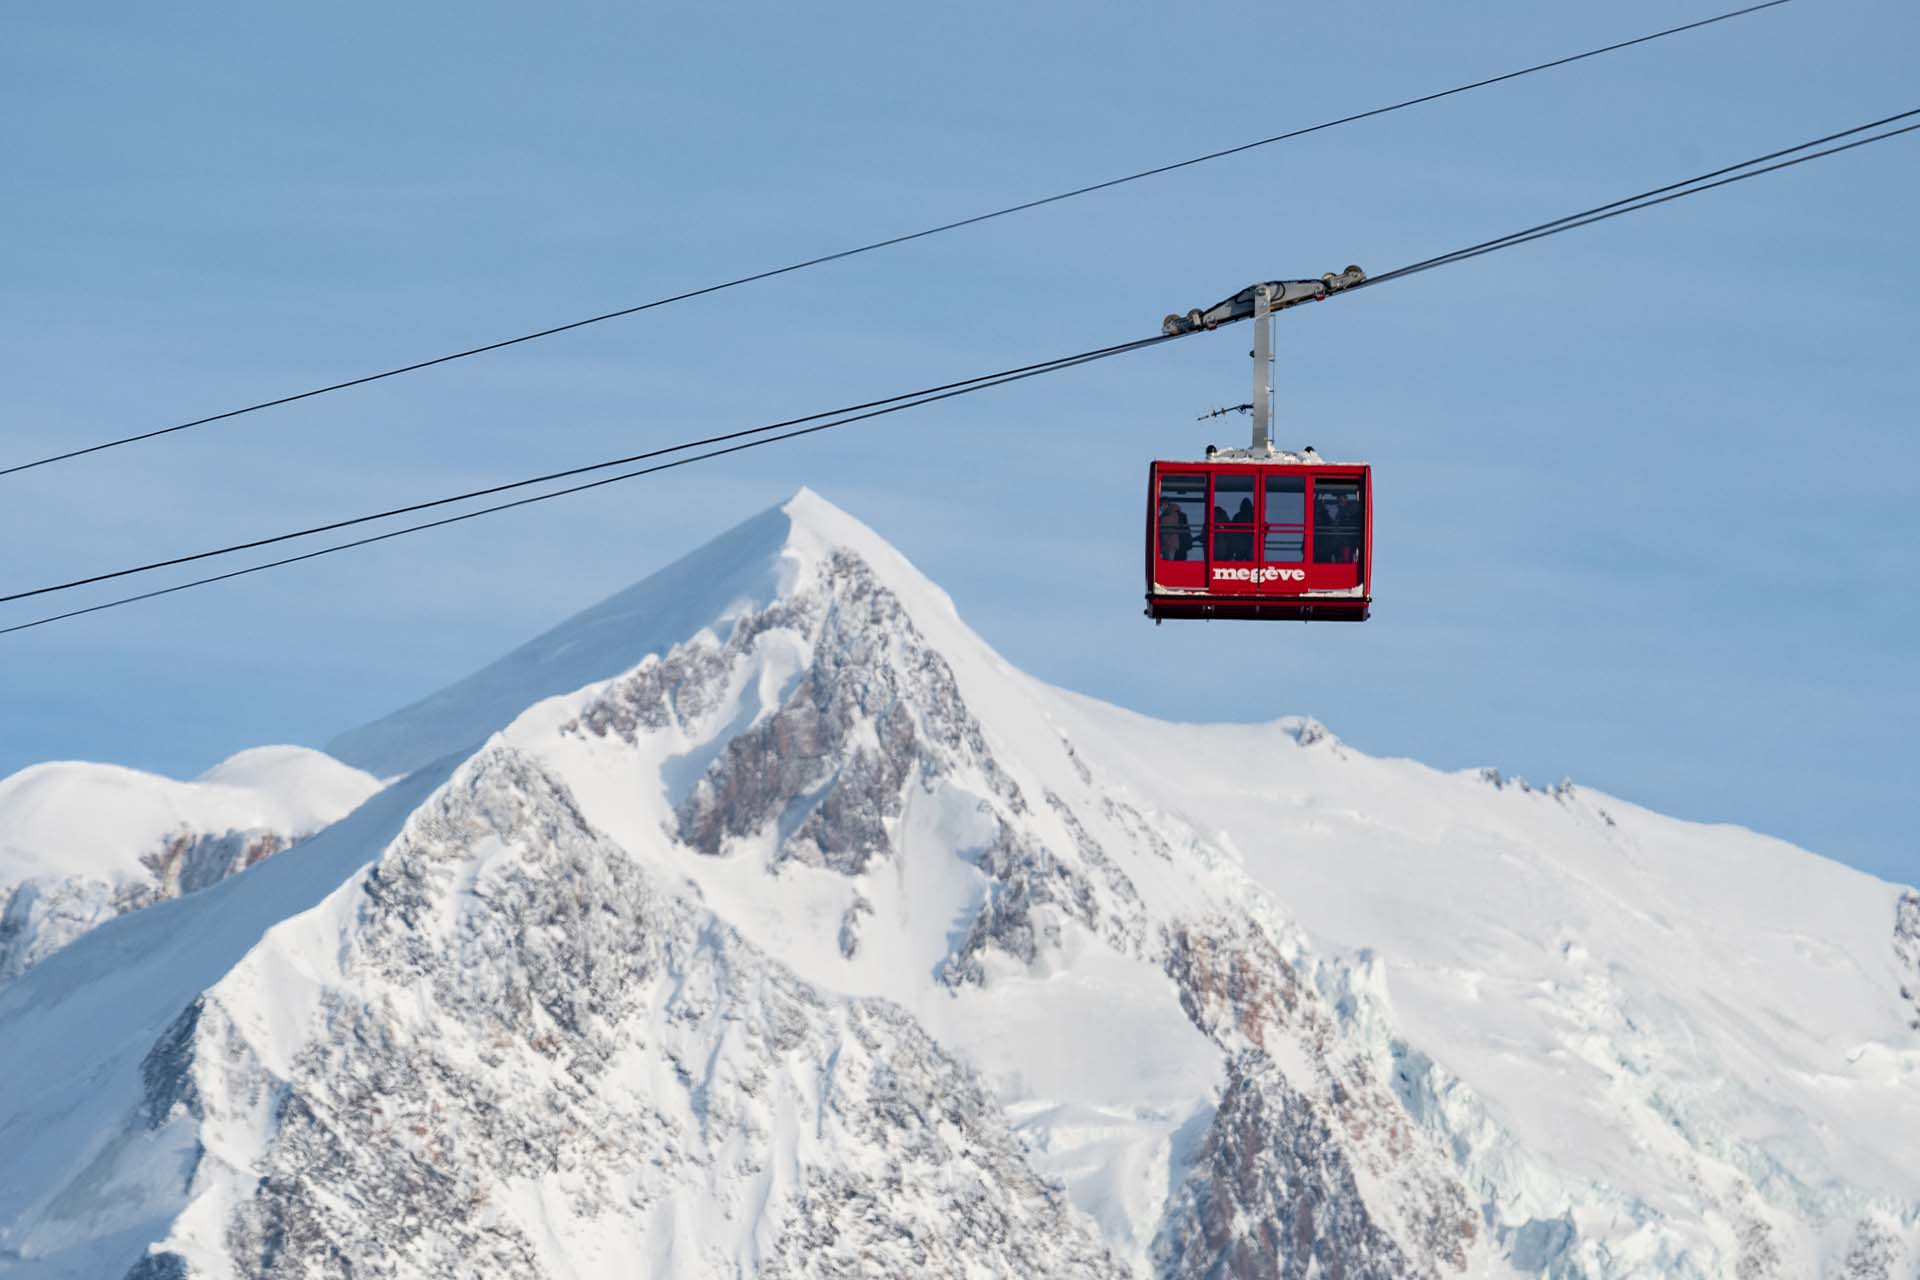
[82,843]
[762,920]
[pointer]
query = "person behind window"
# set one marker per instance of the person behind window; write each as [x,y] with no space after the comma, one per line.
[1335,539]
[1243,542]
[1176,539]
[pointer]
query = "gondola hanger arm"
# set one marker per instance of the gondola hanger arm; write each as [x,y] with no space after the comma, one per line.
[1242,305]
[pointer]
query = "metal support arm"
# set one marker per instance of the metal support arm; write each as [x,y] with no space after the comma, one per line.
[1281,294]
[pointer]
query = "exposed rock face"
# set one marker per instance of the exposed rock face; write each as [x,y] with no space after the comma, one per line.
[186,863]
[1906,947]
[1279,1146]
[1873,1253]
[874,707]
[1030,897]
[1272,1193]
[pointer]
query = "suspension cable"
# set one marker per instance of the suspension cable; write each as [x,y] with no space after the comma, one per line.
[1628,204]
[922,396]
[958,390]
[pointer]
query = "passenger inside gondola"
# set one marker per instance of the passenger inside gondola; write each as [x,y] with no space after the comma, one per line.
[1175,539]
[1233,537]
[1181,519]
[1336,522]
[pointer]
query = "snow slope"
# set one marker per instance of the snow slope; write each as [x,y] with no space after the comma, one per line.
[81,843]
[734,574]
[763,920]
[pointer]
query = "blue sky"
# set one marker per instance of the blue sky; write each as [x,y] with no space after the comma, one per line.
[1646,494]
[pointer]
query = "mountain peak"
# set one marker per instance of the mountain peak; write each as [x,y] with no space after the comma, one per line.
[806,504]
[762,559]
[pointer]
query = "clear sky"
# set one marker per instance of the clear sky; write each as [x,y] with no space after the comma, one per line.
[1646,493]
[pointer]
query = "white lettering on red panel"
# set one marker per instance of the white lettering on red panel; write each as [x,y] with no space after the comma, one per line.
[1260,573]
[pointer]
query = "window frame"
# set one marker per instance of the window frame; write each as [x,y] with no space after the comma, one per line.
[1305,524]
[1359,482]
[1234,528]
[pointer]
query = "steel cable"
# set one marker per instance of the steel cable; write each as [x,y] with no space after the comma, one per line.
[989,379]
[1030,371]
[1629,204]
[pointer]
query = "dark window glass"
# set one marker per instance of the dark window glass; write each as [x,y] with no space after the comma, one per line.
[1284,527]
[1336,521]
[1233,525]
[1182,516]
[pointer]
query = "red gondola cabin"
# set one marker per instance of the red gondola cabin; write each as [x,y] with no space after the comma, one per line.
[1271,535]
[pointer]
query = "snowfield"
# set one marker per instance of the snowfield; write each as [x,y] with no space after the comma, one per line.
[763,921]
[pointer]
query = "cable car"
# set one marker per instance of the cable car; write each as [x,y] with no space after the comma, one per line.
[1260,533]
